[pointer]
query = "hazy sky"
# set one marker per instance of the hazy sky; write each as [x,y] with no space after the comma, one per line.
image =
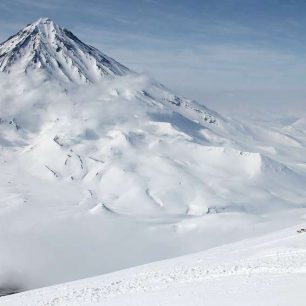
[230,54]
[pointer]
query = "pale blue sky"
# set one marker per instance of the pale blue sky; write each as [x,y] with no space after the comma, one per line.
[225,53]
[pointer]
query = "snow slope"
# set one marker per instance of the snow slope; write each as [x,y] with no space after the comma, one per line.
[268,270]
[122,172]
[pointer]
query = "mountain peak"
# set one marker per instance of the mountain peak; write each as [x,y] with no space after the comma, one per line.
[44,20]
[45,46]
[43,27]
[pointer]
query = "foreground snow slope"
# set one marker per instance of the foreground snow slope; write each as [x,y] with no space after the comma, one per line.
[268,270]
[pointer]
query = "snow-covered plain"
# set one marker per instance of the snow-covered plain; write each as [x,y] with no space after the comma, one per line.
[268,270]
[115,170]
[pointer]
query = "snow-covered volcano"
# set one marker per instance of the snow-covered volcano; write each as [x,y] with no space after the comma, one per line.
[45,45]
[124,171]
[60,56]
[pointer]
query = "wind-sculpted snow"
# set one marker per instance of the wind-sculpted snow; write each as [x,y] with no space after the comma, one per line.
[102,168]
[95,178]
